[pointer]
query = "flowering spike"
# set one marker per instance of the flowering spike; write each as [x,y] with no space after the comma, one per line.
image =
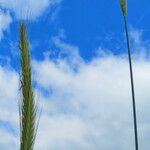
[124,7]
[27,106]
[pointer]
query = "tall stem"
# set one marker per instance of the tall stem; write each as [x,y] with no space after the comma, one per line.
[132,85]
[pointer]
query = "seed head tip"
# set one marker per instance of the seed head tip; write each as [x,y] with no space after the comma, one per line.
[124,7]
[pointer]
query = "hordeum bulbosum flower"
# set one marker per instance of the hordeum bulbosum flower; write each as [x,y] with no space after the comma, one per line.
[124,7]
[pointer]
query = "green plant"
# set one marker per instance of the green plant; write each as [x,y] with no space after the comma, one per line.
[27,105]
[124,11]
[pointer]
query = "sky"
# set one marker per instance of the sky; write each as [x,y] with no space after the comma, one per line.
[80,73]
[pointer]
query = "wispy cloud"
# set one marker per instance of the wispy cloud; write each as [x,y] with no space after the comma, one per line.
[8,108]
[5,21]
[28,9]
[96,96]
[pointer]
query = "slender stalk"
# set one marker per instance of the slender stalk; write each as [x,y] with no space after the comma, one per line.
[124,10]
[132,87]
[27,106]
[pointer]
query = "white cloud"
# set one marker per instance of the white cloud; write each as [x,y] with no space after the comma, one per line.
[8,108]
[84,108]
[5,20]
[29,9]
[8,142]
[98,97]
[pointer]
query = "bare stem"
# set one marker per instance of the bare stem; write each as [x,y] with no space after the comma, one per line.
[132,84]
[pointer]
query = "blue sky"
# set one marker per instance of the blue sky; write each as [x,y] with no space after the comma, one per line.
[85,24]
[79,63]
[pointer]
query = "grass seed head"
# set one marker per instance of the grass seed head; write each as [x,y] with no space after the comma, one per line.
[124,7]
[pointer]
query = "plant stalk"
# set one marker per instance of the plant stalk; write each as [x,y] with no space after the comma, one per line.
[132,85]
